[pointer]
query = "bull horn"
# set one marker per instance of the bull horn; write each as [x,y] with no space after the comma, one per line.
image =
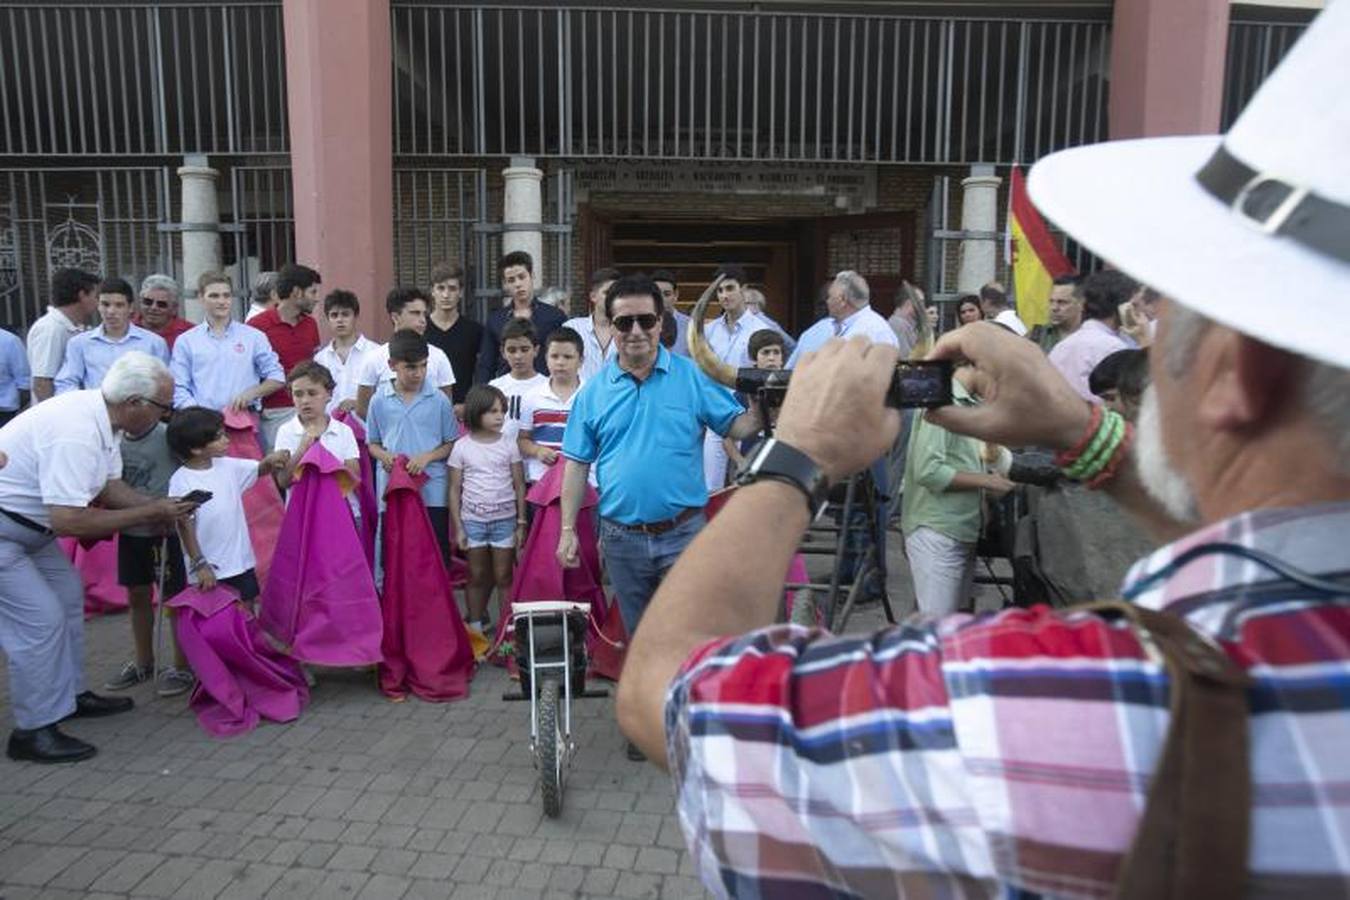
[713,367]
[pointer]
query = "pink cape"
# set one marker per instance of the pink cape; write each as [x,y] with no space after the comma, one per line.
[538,575]
[241,678]
[320,598]
[365,491]
[97,565]
[426,647]
[262,503]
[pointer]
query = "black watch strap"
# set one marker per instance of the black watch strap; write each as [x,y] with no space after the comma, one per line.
[778,461]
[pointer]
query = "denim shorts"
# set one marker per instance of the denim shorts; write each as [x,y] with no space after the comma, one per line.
[497,533]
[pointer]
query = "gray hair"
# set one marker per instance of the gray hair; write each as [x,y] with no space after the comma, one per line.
[854,287]
[1323,395]
[135,374]
[159,282]
[262,286]
[754,297]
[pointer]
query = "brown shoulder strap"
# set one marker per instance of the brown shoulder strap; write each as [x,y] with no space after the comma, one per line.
[1192,841]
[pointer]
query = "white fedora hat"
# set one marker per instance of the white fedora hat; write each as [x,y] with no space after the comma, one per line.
[1250,229]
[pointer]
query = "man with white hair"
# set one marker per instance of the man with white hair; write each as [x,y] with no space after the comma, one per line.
[848,314]
[158,310]
[1186,742]
[63,478]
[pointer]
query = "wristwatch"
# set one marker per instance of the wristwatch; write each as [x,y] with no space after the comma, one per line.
[774,460]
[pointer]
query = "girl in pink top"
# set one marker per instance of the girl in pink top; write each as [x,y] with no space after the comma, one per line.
[487,500]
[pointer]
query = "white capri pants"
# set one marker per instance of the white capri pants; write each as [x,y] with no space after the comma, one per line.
[943,570]
[41,626]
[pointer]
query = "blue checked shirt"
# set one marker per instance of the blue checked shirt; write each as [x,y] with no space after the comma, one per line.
[865,321]
[979,755]
[90,354]
[211,370]
[14,374]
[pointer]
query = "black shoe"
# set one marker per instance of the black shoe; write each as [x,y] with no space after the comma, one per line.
[635,754]
[47,745]
[93,706]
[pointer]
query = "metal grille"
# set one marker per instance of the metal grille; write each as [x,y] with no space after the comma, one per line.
[1254,50]
[142,78]
[435,211]
[263,220]
[737,85]
[105,221]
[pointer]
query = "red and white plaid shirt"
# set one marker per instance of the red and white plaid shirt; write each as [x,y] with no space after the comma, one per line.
[1013,751]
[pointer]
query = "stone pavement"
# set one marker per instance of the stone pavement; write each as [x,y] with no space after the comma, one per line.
[361,798]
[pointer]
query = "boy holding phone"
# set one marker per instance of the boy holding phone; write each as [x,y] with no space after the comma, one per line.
[215,540]
[147,466]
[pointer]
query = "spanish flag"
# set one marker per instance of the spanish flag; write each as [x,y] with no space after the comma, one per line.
[1033,253]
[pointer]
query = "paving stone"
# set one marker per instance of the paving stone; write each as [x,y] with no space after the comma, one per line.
[384,887]
[127,872]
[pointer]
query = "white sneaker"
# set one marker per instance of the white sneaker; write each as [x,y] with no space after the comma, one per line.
[174,682]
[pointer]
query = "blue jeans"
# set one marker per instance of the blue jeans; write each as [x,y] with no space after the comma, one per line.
[637,562]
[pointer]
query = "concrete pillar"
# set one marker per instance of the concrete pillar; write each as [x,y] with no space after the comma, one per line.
[1167,61]
[339,88]
[201,229]
[524,209]
[979,213]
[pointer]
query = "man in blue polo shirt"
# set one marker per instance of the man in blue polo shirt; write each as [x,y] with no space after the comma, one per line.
[640,422]
[90,354]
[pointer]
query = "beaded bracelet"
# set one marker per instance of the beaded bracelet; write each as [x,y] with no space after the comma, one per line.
[1108,437]
[1121,453]
[1068,457]
[1102,446]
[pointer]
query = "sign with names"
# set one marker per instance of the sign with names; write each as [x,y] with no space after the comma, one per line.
[857,184]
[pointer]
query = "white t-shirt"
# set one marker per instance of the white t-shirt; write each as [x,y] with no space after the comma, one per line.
[338,439]
[61,453]
[345,374]
[515,390]
[1010,318]
[222,530]
[375,367]
[47,339]
[488,492]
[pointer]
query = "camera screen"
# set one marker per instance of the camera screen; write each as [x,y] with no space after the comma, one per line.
[925,383]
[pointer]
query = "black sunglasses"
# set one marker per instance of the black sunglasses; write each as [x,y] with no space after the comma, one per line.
[156,304]
[645,321]
[162,407]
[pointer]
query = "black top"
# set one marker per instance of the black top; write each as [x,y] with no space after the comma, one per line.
[546,320]
[460,343]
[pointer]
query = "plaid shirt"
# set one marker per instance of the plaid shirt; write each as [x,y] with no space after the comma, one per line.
[975,755]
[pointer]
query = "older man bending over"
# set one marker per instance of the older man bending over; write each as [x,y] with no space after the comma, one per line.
[62,476]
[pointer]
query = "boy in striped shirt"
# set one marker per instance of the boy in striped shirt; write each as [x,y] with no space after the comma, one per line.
[544,410]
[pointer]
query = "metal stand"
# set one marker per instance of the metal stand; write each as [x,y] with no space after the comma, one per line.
[161,567]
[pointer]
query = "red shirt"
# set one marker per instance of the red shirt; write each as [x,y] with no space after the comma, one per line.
[293,345]
[170,332]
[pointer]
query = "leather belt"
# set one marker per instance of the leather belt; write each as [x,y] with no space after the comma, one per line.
[1277,207]
[26,522]
[654,528]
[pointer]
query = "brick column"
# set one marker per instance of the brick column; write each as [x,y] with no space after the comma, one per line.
[339,86]
[1167,60]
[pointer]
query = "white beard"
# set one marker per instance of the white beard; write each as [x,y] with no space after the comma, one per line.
[1162,481]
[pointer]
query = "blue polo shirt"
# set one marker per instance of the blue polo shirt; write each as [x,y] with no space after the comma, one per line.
[645,438]
[410,428]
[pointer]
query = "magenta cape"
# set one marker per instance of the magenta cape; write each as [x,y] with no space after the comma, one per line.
[320,598]
[365,491]
[262,503]
[796,573]
[241,679]
[97,565]
[426,647]
[538,575]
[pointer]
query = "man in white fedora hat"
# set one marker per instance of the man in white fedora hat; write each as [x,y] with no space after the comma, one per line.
[1187,742]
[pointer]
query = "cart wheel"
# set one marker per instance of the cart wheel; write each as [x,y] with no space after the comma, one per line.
[550,748]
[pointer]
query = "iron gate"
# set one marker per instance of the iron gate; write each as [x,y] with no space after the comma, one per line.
[454,216]
[103,220]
